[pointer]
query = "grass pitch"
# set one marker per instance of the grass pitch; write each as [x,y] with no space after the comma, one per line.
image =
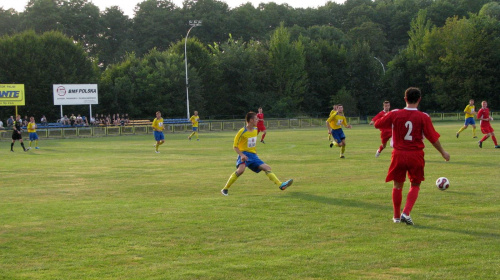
[110,208]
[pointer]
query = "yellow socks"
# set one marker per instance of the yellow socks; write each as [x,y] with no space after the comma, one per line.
[473,132]
[231,180]
[461,129]
[273,177]
[342,150]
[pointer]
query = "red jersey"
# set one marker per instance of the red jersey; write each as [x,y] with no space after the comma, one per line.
[409,128]
[261,119]
[378,116]
[484,114]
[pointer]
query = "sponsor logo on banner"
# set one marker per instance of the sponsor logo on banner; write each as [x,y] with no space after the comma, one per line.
[12,95]
[75,94]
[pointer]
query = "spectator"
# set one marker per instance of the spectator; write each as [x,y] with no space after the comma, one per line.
[92,121]
[65,120]
[79,120]
[72,119]
[85,121]
[10,121]
[1,125]
[126,119]
[43,120]
[25,121]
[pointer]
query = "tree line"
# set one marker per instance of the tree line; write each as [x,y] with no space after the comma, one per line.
[290,61]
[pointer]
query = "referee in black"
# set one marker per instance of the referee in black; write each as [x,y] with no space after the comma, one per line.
[16,133]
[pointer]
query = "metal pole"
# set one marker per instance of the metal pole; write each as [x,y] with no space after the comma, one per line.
[186,63]
[383,67]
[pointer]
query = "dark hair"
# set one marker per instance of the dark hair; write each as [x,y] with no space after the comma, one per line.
[412,95]
[250,115]
[387,102]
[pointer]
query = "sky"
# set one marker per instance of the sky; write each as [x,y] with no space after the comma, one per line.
[128,5]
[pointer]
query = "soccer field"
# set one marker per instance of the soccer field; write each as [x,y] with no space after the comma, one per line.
[110,208]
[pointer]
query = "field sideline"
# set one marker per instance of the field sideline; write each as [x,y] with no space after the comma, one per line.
[110,208]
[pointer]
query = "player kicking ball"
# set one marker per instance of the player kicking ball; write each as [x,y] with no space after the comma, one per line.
[244,145]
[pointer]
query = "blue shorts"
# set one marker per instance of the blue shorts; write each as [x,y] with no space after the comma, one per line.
[253,162]
[470,121]
[195,128]
[33,136]
[338,135]
[159,135]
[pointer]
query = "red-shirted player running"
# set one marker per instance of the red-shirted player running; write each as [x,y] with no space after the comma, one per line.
[260,125]
[484,116]
[386,133]
[409,127]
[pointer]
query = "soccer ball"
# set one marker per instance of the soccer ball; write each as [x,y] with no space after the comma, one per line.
[442,183]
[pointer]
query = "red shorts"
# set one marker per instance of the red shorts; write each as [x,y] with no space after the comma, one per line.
[486,128]
[385,135]
[402,162]
[261,127]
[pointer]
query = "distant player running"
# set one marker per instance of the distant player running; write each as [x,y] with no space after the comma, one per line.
[16,133]
[244,145]
[334,124]
[260,125]
[470,111]
[486,129]
[158,131]
[32,132]
[386,133]
[194,121]
[333,112]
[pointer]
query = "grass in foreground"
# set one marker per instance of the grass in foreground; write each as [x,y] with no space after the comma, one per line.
[110,208]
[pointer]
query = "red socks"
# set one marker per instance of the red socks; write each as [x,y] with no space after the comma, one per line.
[397,197]
[380,148]
[263,136]
[484,138]
[494,140]
[410,199]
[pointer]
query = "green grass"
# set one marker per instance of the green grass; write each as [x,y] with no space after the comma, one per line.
[110,208]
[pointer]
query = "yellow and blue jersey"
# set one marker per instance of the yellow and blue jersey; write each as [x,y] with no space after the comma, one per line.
[469,111]
[336,121]
[194,120]
[158,124]
[333,113]
[245,140]
[31,127]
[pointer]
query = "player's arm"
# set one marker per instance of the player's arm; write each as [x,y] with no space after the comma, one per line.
[440,149]
[344,122]
[155,125]
[236,143]
[328,123]
[385,122]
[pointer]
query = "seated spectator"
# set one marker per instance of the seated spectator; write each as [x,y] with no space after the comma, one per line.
[79,120]
[43,120]
[126,119]
[84,121]
[65,120]
[72,119]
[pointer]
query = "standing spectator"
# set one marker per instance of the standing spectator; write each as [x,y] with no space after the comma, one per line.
[25,121]
[409,127]
[16,133]
[10,121]
[32,132]
[1,125]
[43,120]
[486,129]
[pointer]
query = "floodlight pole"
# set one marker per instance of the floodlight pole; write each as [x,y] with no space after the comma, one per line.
[193,24]
[383,67]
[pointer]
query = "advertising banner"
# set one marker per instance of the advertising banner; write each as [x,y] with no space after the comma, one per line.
[12,95]
[84,94]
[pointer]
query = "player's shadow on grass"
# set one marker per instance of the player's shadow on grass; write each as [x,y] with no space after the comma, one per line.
[339,201]
[483,234]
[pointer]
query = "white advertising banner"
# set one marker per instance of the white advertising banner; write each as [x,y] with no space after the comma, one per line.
[84,94]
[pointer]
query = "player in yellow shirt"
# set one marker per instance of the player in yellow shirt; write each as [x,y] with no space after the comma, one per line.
[332,113]
[470,111]
[334,125]
[32,132]
[194,120]
[244,145]
[158,131]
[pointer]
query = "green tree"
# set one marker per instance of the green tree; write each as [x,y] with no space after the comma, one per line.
[10,22]
[41,61]
[287,71]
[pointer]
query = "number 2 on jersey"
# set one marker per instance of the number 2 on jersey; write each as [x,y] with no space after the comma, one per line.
[408,136]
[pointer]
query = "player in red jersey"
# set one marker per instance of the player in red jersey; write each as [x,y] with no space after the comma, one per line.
[260,125]
[385,134]
[486,129]
[409,127]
